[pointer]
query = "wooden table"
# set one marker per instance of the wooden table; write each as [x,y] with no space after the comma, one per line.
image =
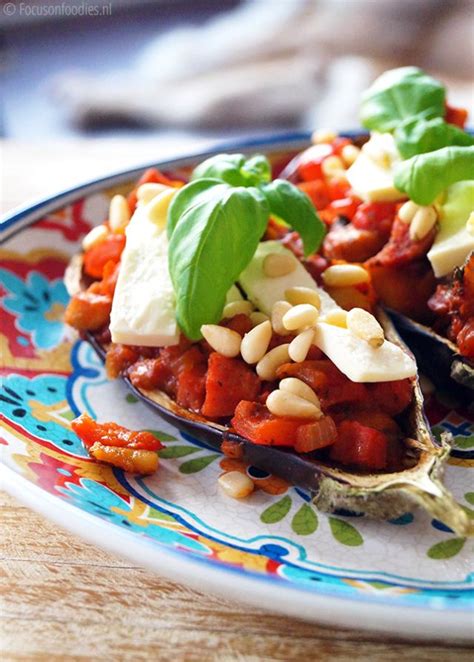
[63,599]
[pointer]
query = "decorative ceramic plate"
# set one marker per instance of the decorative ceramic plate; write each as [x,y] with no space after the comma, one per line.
[274,550]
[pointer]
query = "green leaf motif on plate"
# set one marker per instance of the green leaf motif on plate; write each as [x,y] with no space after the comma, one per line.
[446,549]
[277,511]
[464,443]
[345,533]
[469,496]
[162,436]
[305,521]
[177,451]
[198,464]
[131,398]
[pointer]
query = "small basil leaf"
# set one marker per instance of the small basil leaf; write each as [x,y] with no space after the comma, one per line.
[291,205]
[234,169]
[212,243]
[257,169]
[194,193]
[420,136]
[401,94]
[424,176]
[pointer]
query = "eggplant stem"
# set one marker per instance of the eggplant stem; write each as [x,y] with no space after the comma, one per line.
[431,494]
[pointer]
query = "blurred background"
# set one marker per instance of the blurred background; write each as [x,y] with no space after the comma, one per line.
[159,75]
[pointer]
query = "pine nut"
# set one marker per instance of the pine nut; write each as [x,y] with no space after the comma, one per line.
[236,484]
[470,223]
[336,317]
[407,211]
[300,316]
[237,308]
[255,342]
[157,208]
[278,264]
[267,367]
[321,136]
[364,325]
[343,275]
[333,166]
[284,403]
[423,222]
[349,154]
[222,340]
[299,346]
[280,308]
[258,317]
[95,236]
[146,192]
[299,388]
[119,213]
[296,295]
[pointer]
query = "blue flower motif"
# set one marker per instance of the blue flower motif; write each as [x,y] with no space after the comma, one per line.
[18,397]
[37,304]
[100,500]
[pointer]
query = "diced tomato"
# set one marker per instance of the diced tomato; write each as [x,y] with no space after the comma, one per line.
[391,397]
[309,166]
[233,449]
[87,311]
[119,358]
[228,382]
[406,290]
[375,216]
[191,380]
[253,421]
[99,255]
[149,374]
[348,243]
[111,434]
[318,434]
[345,207]
[377,420]
[401,248]
[339,143]
[359,446]
[465,339]
[109,277]
[316,190]
[456,116]
[338,187]
[313,373]
[240,323]
[326,380]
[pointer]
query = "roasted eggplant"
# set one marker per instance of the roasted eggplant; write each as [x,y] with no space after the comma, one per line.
[384,495]
[437,357]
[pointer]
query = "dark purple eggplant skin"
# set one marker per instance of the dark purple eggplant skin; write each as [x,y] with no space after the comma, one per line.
[437,358]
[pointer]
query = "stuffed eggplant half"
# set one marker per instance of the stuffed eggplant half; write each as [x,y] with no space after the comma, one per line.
[401,202]
[224,330]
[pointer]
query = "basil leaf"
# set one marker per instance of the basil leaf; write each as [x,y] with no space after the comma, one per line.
[194,193]
[212,242]
[424,176]
[291,205]
[401,94]
[420,136]
[235,169]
